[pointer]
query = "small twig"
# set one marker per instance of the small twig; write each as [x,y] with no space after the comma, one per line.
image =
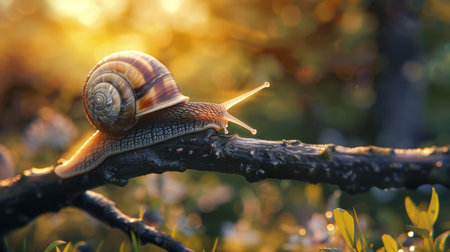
[105,210]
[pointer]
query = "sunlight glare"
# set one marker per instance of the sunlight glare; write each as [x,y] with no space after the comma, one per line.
[4,5]
[90,17]
[89,13]
[68,7]
[170,6]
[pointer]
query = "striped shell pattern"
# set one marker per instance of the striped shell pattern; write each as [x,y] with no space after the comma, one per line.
[124,86]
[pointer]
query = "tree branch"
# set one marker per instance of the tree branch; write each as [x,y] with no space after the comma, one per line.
[353,170]
[105,210]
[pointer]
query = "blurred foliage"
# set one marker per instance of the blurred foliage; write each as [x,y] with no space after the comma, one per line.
[322,58]
[423,221]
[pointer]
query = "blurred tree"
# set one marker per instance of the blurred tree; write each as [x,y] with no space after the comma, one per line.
[401,86]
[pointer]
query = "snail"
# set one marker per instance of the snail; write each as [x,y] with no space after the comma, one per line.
[129,86]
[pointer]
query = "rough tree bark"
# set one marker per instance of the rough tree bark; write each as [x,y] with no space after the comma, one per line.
[353,170]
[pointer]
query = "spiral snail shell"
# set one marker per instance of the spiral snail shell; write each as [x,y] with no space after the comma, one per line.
[128,86]
[125,86]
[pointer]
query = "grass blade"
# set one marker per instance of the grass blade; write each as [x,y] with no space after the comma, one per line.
[53,245]
[99,247]
[135,243]
[215,244]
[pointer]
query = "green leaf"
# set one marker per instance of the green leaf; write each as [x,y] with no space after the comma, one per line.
[419,218]
[412,211]
[425,222]
[422,219]
[330,250]
[440,244]
[346,226]
[68,246]
[389,243]
[433,208]
[359,245]
[53,245]
[420,231]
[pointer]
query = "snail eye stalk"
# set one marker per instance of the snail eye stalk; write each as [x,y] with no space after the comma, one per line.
[228,104]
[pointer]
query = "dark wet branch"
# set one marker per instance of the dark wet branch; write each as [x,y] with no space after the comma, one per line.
[105,210]
[353,170]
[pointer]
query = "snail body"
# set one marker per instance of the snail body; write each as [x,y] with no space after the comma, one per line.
[129,86]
